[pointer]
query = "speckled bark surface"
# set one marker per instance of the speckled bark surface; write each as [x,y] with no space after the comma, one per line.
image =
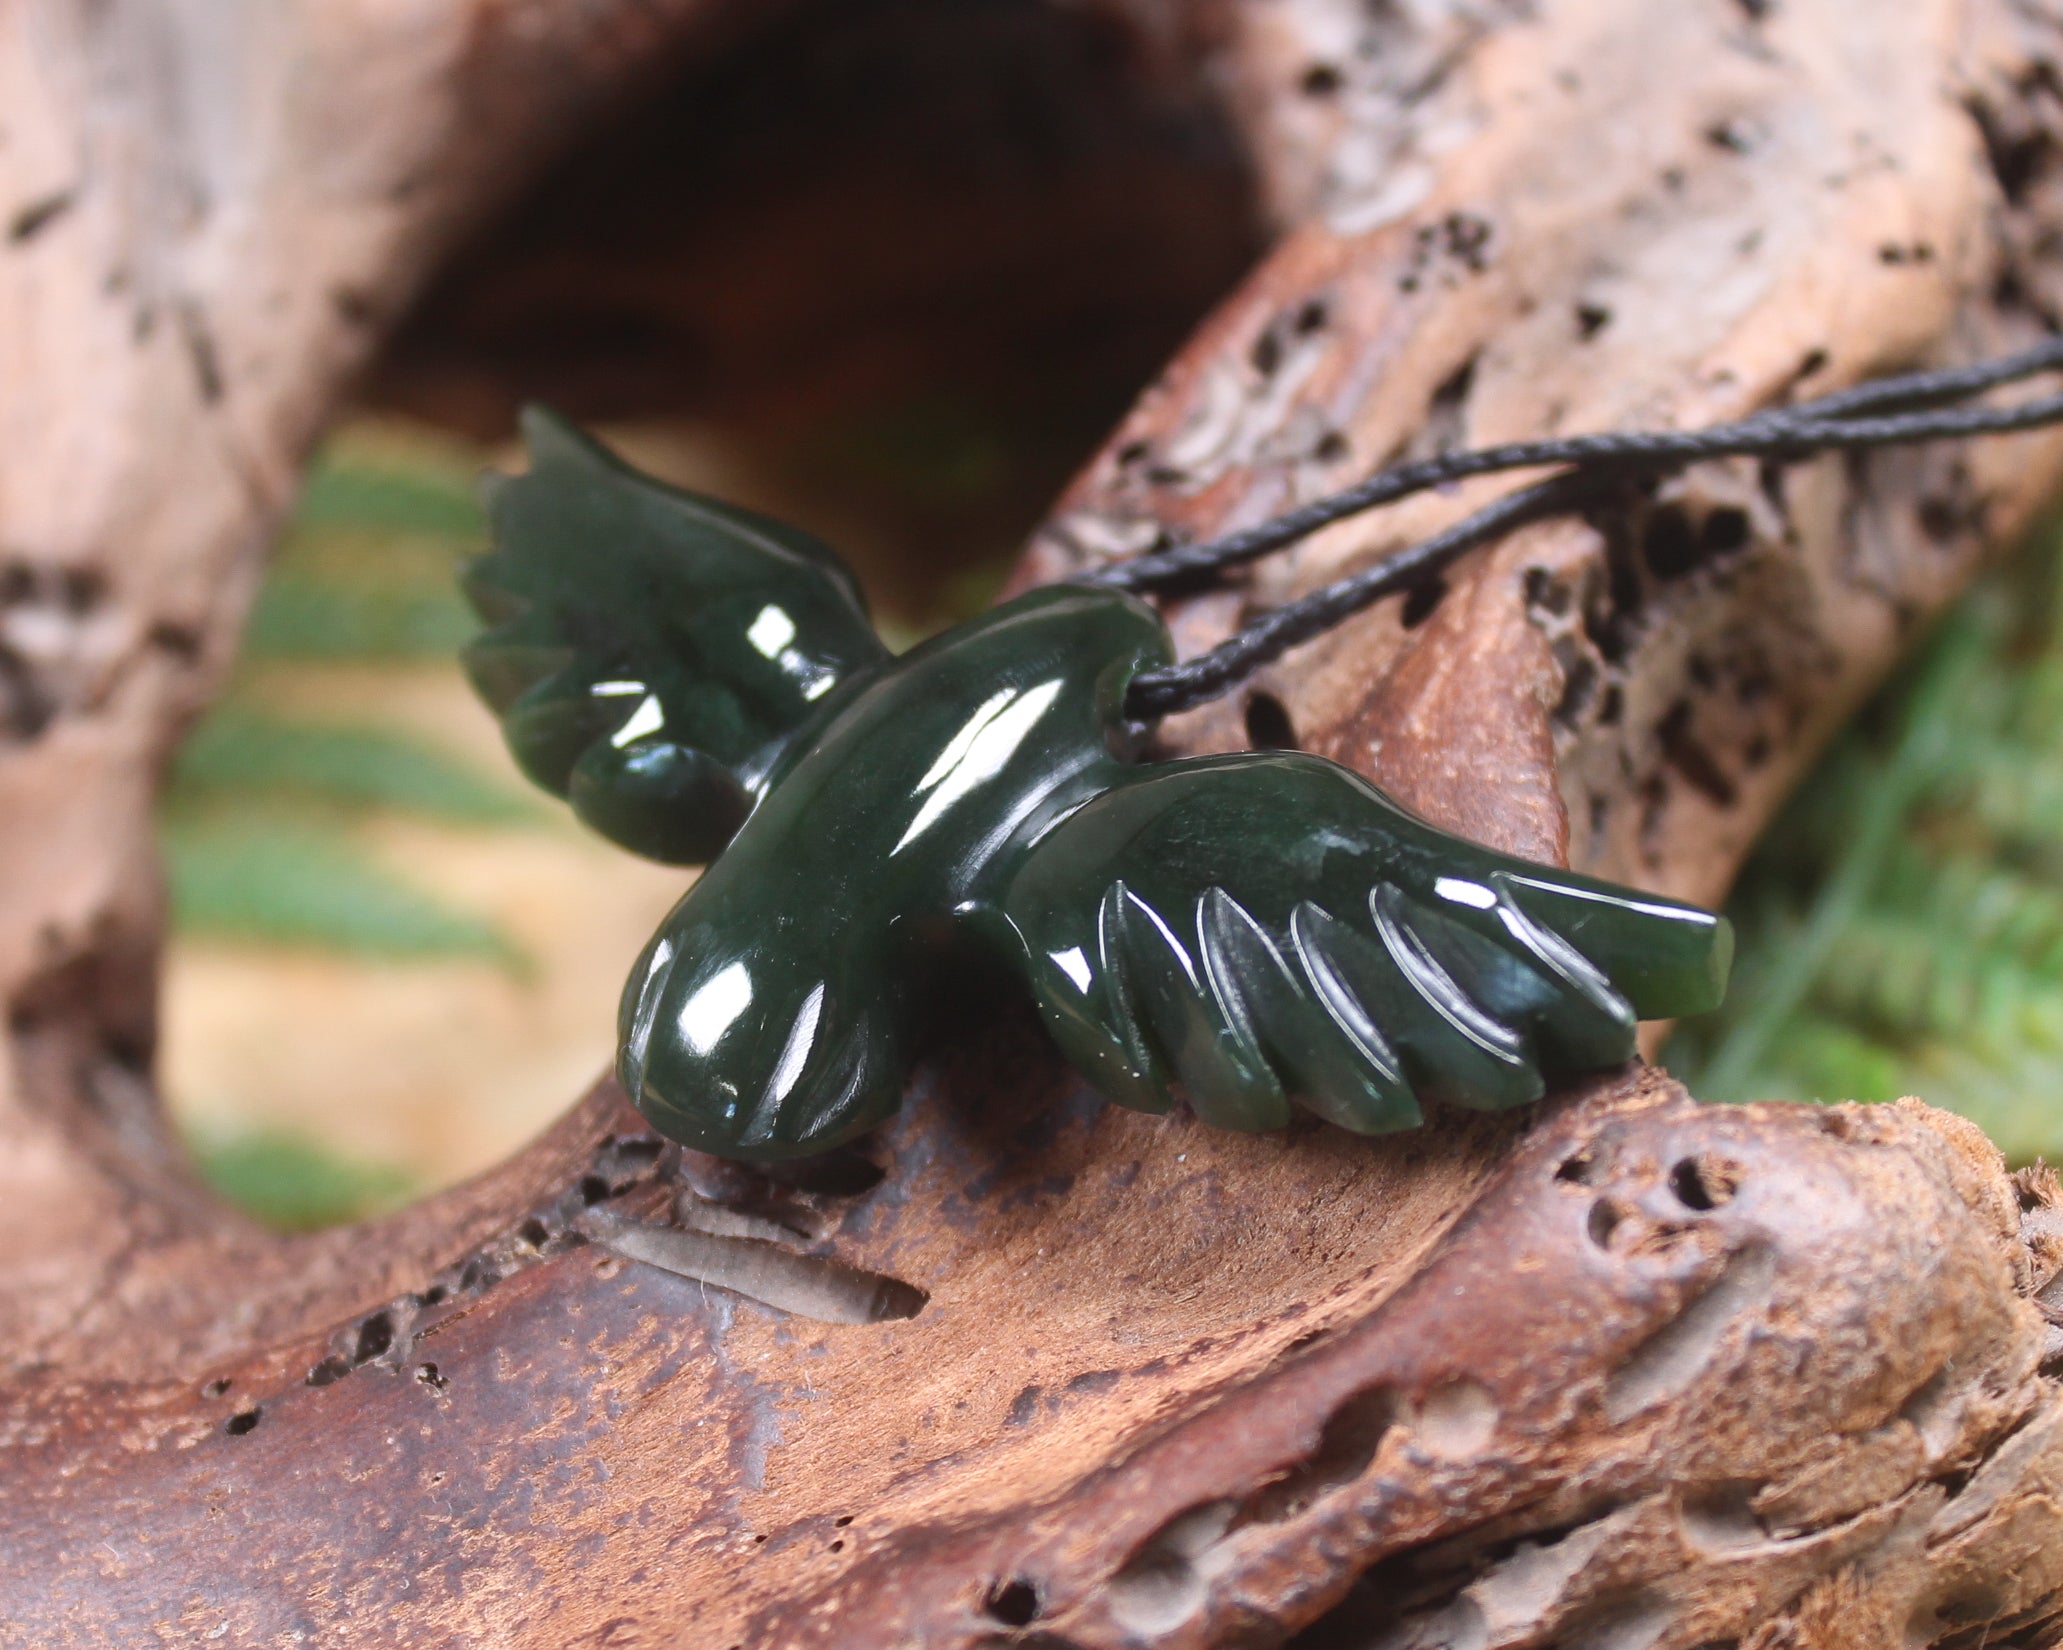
[1628,1373]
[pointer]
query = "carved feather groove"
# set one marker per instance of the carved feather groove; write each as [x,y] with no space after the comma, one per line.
[1358,1027]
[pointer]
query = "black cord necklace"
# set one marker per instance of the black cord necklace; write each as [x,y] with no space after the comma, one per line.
[1911,407]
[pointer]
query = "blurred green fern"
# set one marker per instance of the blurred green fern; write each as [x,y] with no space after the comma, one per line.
[280,882]
[1901,923]
[260,817]
[365,571]
[262,821]
[240,754]
[291,1182]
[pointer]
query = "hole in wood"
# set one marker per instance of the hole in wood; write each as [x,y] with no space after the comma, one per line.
[1721,1518]
[1681,1350]
[1978,1603]
[1456,1420]
[1446,418]
[1345,1449]
[1268,727]
[1692,758]
[1699,1185]
[1725,531]
[1015,1603]
[1669,545]
[375,1336]
[1835,1122]
[1933,1409]
[1161,1586]
[38,216]
[1577,1169]
[1421,603]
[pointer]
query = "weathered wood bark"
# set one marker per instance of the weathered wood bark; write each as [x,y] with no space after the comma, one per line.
[1631,1373]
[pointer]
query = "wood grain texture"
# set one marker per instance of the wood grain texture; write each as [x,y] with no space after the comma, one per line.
[1630,1372]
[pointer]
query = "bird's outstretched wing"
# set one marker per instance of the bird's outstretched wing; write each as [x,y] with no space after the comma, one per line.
[652,654]
[1270,927]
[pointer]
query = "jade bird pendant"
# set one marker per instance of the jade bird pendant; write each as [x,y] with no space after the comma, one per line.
[1246,933]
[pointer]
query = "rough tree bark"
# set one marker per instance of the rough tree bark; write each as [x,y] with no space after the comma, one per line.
[1629,1373]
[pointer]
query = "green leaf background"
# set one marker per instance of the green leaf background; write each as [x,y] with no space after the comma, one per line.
[1901,923]
[263,824]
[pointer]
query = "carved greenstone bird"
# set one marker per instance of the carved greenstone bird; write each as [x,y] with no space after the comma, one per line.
[1245,932]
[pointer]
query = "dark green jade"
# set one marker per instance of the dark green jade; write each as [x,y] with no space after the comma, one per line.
[1243,932]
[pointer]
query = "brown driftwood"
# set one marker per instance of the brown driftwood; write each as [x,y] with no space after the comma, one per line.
[1631,1373]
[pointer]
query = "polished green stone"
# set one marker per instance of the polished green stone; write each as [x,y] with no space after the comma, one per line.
[1245,932]
[651,654]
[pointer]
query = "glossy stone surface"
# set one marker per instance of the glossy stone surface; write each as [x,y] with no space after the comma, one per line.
[1262,927]
[652,655]
[1244,932]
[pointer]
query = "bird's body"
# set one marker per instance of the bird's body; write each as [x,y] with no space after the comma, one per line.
[1243,931]
[774,1003]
